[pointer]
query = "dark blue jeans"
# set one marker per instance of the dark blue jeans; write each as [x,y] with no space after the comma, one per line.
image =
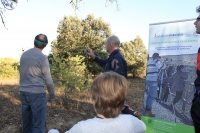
[33,112]
[153,85]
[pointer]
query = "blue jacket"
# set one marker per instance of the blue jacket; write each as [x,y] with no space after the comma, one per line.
[115,62]
[179,80]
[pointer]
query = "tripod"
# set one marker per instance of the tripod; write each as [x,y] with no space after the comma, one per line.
[162,74]
[162,80]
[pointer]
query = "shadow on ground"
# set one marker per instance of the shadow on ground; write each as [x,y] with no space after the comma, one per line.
[64,114]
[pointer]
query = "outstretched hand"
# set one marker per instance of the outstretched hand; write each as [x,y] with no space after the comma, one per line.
[90,53]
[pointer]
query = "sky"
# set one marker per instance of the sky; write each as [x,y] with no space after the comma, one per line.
[33,17]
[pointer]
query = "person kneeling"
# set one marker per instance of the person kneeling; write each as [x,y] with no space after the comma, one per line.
[108,96]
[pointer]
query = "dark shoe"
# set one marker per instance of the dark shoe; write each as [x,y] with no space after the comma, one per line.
[149,113]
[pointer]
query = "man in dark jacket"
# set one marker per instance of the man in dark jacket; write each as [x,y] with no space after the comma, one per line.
[179,83]
[116,61]
[195,109]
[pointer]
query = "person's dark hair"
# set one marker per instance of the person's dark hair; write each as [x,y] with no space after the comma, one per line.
[41,41]
[179,67]
[108,94]
[198,9]
[155,56]
[170,71]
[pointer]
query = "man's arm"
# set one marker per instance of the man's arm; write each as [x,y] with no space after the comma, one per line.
[98,60]
[160,65]
[90,53]
[48,79]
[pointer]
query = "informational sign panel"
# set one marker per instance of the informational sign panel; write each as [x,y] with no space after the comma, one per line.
[176,45]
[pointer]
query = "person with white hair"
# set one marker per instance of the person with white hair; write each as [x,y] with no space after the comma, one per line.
[116,61]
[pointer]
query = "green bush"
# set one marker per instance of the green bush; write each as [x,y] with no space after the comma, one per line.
[9,68]
[70,73]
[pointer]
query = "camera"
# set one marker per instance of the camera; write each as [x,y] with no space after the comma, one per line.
[85,51]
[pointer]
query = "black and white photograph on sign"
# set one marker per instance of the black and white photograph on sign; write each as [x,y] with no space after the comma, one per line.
[171,71]
[174,90]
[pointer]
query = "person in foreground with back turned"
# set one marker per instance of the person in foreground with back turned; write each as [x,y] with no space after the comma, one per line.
[108,95]
[195,108]
[34,73]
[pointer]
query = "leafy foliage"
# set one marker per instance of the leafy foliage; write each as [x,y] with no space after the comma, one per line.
[70,72]
[69,64]
[9,68]
[75,35]
[135,54]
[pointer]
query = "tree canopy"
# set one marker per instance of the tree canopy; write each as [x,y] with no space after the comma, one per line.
[75,35]
[135,54]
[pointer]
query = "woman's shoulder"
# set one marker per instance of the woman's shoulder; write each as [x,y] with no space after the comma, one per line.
[128,117]
[132,121]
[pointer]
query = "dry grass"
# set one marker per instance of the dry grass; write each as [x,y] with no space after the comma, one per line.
[64,114]
[9,81]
